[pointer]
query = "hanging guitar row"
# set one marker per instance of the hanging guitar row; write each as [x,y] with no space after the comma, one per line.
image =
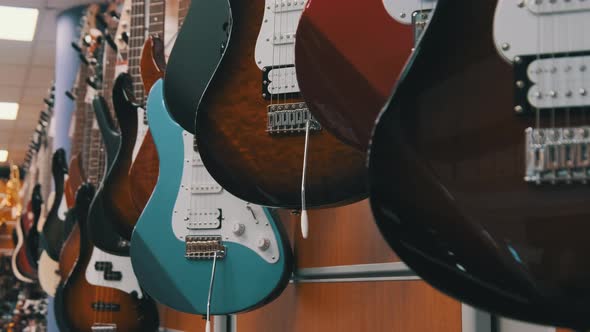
[462,121]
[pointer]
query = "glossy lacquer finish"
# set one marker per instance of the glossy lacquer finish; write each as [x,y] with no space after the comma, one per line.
[53,229]
[246,160]
[103,229]
[144,171]
[135,315]
[348,60]
[243,279]
[447,188]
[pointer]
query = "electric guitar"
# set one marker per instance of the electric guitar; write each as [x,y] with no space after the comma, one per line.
[52,235]
[203,229]
[480,162]
[246,146]
[346,71]
[101,293]
[23,264]
[118,187]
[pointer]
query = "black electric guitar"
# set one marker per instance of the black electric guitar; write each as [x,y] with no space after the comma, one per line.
[479,166]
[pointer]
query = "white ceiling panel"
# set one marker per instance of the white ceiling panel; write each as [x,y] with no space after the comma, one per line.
[10,94]
[15,52]
[40,76]
[13,75]
[34,95]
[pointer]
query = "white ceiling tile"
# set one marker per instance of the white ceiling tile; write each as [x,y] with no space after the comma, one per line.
[40,77]
[34,95]
[10,94]
[12,75]
[44,54]
[46,25]
[15,53]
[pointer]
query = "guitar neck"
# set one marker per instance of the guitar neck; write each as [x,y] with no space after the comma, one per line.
[183,6]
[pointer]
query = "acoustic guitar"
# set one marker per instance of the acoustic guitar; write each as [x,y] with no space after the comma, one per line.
[479,163]
[346,71]
[250,116]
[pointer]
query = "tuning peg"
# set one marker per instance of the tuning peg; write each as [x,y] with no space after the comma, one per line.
[84,59]
[125,37]
[76,47]
[49,102]
[93,83]
[71,95]
[111,42]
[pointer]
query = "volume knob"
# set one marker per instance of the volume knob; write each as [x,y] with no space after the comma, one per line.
[238,229]
[263,244]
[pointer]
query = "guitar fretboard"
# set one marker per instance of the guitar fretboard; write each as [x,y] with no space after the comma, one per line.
[183,6]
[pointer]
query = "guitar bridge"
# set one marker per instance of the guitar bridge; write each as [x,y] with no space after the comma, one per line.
[285,119]
[204,247]
[102,327]
[557,155]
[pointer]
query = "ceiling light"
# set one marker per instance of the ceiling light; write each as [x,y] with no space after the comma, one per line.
[8,111]
[3,156]
[17,23]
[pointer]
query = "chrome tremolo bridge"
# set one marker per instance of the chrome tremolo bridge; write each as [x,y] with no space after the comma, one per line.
[290,119]
[557,155]
[103,327]
[204,247]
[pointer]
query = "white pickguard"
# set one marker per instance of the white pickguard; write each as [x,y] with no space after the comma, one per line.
[276,40]
[518,30]
[49,277]
[142,129]
[200,194]
[402,10]
[127,284]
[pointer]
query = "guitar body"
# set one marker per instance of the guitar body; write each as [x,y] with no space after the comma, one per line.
[24,269]
[144,171]
[116,192]
[241,155]
[347,71]
[447,171]
[87,304]
[247,276]
[103,230]
[32,236]
[53,228]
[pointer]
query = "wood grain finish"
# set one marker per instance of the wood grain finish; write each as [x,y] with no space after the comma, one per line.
[346,71]
[243,157]
[365,306]
[447,166]
[75,179]
[78,295]
[144,171]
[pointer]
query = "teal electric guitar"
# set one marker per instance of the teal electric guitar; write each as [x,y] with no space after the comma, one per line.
[194,241]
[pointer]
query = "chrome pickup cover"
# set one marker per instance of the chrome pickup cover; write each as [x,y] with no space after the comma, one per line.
[103,327]
[290,119]
[556,155]
[204,247]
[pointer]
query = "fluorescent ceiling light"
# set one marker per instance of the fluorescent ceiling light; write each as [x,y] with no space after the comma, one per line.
[8,111]
[17,23]
[3,156]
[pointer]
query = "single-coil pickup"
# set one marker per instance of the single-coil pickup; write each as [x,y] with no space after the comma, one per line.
[204,219]
[557,155]
[282,81]
[290,119]
[282,6]
[283,38]
[204,247]
[103,327]
[206,188]
[105,306]
[559,82]
[108,273]
[556,6]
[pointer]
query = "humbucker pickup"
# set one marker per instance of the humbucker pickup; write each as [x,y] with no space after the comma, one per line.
[280,82]
[204,219]
[551,81]
[290,119]
[555,155]
[105,306]
[204,247]
[103,327]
